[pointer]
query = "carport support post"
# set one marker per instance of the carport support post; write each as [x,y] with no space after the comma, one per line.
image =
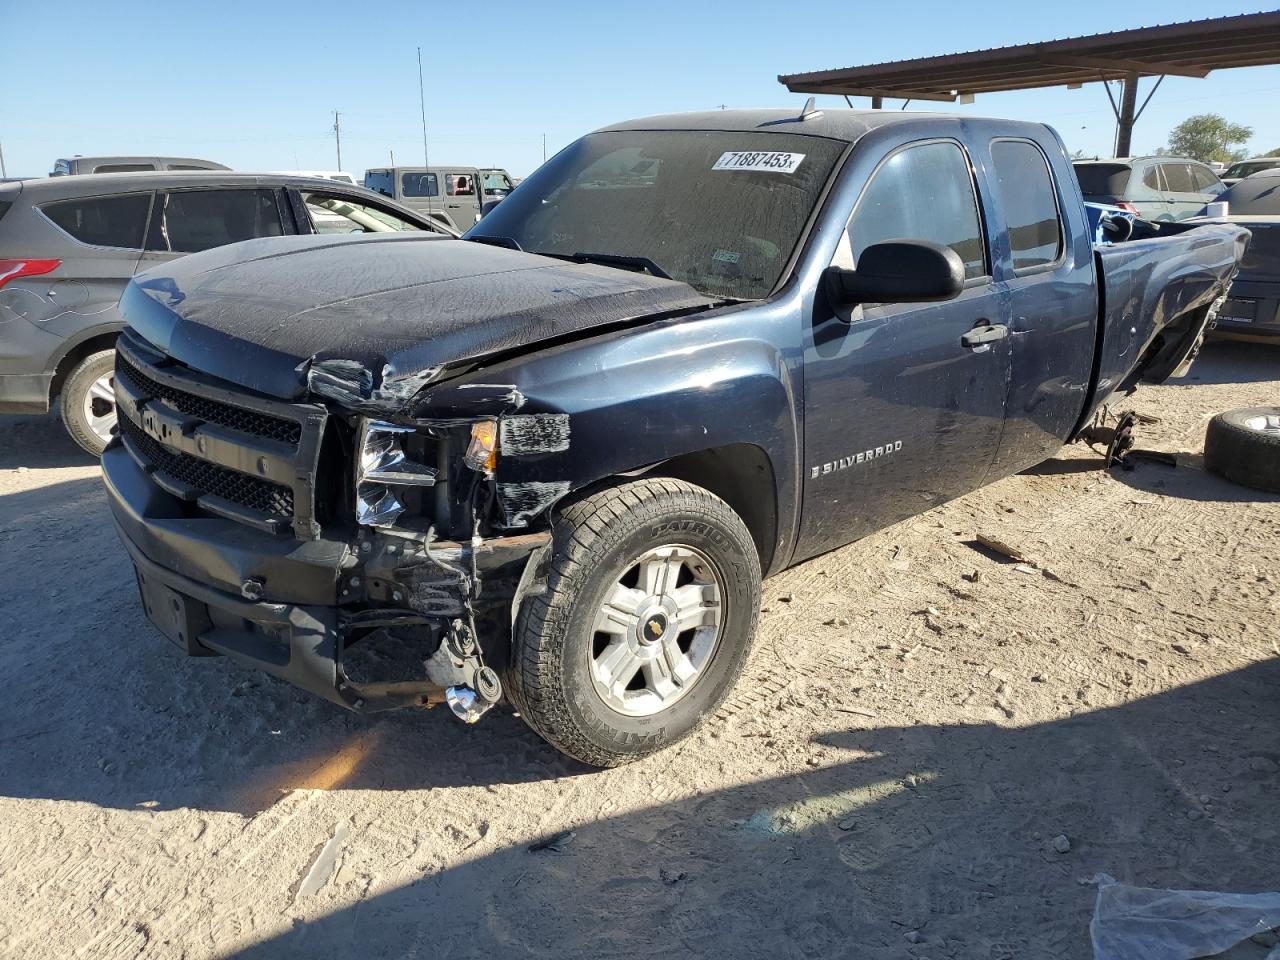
[1124,120]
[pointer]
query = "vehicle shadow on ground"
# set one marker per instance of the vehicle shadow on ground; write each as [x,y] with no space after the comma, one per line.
[1189,480]
[1232,361]
[39,442]
[883,851]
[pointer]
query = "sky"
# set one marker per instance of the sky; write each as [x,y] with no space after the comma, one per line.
[254,85]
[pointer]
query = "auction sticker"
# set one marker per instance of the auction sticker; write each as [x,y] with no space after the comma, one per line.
[762,161]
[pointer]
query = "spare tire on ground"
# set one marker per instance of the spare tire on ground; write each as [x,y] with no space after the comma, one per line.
[1244,446]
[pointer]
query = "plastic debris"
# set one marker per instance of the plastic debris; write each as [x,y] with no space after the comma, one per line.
[555,844]
[1142,923]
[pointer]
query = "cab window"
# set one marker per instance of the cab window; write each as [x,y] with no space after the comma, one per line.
[1030,203]
[923,192]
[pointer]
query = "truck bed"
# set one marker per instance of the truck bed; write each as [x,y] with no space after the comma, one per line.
[1157,295]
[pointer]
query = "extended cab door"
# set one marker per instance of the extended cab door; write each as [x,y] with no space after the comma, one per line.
[1045,267]
[901,415]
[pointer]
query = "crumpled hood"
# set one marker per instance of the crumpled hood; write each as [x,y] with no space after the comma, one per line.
[377,314]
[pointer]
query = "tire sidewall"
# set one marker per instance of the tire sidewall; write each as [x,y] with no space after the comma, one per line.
[72,399]
[738,569]
[1243,455]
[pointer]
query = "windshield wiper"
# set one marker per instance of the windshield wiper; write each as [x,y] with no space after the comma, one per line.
[627,263]
[507,242]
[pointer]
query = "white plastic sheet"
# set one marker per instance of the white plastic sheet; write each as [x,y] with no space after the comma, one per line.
[1140,923]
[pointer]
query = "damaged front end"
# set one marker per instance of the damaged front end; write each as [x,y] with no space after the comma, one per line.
[360,544]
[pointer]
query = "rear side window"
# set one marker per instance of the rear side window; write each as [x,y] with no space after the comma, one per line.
[1152,179]
[123,167]
[419,185]
[1029,201]
[1103,179]
[924,192]
[103,221]
[200,219]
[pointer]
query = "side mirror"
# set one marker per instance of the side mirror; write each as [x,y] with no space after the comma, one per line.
[898,271]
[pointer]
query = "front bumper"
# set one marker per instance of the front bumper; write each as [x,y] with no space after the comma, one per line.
[301,609]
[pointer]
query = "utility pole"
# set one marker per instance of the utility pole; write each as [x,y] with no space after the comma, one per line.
[393,158]
[544,148]
[337,136]
[5,173]
[1126,117]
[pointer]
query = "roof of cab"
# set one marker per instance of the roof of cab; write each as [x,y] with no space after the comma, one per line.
[838,124]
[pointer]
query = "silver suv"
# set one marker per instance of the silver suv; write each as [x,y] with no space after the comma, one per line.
[1155,188]
[69,245]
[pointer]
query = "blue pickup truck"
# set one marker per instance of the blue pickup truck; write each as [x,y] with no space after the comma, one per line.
[551,462]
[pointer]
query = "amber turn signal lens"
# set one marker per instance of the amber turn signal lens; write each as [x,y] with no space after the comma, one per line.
[482,451]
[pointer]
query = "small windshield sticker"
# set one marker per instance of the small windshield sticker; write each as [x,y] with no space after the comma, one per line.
[758,161]
[726,256]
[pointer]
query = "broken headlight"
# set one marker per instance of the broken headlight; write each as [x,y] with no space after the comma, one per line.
[383,471]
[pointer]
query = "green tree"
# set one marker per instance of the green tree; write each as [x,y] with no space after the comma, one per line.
[1208,137]
[1270,153]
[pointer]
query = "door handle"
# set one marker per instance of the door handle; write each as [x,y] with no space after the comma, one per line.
[983,334]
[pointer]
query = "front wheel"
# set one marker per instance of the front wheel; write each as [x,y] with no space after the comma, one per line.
[89,402]
[644,626]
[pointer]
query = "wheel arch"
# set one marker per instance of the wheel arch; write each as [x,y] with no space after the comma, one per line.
[88,343]
[740,474]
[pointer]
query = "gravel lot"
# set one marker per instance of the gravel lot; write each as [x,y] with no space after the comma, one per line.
[919,727]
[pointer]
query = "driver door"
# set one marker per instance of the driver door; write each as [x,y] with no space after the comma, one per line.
[900,415]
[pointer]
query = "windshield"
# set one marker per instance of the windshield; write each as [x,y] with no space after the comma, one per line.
[496,183]
[1240,170]
[721,211]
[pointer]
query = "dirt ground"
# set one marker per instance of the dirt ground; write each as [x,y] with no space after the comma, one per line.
[919,726]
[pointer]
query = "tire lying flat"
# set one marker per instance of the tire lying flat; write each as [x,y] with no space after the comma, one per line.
[647,619]
[1244,446]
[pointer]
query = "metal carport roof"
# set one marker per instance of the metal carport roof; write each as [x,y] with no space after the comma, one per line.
[1189,49]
